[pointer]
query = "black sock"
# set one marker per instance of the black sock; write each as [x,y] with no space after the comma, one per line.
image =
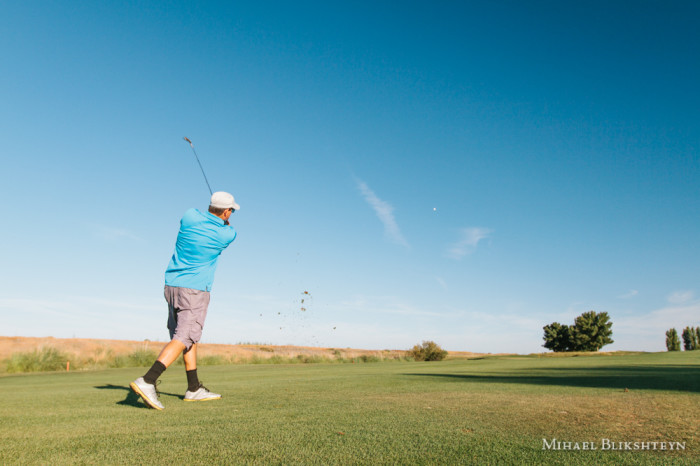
[192,380]
[154,372]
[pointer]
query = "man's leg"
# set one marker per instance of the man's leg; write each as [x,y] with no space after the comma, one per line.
[172,351]
[195,390]
[167,356]
[190,358]
[146,386]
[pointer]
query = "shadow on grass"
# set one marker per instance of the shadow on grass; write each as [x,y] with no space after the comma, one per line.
[132,399]
[672,377]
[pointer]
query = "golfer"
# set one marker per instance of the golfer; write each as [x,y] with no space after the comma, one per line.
[188,279]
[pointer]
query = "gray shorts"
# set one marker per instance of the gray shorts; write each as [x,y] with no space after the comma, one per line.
[187,309]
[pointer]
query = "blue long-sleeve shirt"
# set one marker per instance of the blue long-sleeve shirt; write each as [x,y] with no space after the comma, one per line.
[200,241]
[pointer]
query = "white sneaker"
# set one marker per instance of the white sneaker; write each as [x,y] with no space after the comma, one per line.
[201,394]
[146,391]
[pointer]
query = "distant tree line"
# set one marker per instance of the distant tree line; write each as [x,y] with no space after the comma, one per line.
[691,339]
[590,332]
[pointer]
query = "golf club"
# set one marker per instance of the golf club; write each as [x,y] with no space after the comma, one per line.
[200,164]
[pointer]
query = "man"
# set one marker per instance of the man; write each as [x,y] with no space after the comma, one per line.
[188,279]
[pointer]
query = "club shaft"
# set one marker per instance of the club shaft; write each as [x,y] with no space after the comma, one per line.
[200,166]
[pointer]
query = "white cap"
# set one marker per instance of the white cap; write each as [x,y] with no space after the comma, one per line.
[223,200]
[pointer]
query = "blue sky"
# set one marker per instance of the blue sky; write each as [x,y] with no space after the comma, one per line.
[464,172]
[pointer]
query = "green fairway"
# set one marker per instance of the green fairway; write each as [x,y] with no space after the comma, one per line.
[490,410]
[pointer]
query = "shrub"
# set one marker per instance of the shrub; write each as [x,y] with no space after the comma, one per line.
[427,351]
[310,359]
[255,360]
[211,360]
[369,358]
[277,359]
[48,359]
[139,358]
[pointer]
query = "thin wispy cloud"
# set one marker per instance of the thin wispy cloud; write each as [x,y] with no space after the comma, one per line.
[385,213]
[629,294]
[442,282]
[468,241]
[645,331]
[680,297]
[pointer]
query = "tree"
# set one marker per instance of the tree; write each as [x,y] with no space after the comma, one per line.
[557,337]
[688,336]
[691,338]
[428,351]
[673,343]
[592,331]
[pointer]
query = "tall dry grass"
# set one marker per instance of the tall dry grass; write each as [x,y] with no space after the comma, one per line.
[51,359]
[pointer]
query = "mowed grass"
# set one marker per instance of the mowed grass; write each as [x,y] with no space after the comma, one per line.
[485,411]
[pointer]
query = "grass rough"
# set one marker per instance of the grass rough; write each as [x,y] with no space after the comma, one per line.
[40,360]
